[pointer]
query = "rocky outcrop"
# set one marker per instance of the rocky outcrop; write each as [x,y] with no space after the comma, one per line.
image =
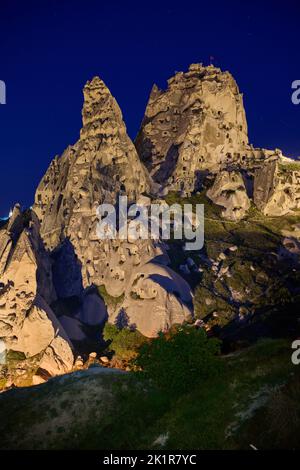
[102,165]
[229,192]
[155,299]
[28,327]
[60,281]
[197,125]
[196,128]
[277,187]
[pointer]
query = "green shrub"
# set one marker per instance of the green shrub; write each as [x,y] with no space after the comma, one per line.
[179,360]
[123,341]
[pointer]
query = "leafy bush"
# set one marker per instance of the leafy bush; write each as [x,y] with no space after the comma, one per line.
[123,341]
[180,359]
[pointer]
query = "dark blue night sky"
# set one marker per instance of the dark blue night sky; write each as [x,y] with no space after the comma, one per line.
[49,49]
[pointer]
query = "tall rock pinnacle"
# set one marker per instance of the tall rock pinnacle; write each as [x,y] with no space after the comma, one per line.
[102,164]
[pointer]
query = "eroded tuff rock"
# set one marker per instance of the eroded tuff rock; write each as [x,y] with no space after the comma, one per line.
[193,135]
[196,128]
[229,192]
[156,298]
[277,187]
[197,125]
[100,166]
[32,335]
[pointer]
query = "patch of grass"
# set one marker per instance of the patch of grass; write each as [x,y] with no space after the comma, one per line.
[203,418]
[2,383]
[280,417]
[119,411]
[109,300]
[211,210]
[289,166]
[124,342]
[15,356]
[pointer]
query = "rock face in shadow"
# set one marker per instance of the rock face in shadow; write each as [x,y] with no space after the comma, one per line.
[33,337]
[66,269]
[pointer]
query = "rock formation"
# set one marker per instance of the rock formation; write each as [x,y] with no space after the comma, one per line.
[197,127]
[277,187]
[156,298]
[34,339]
[102,165]
[58,278]
[229,191]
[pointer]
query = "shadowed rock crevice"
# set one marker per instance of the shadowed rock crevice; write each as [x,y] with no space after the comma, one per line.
[66,271]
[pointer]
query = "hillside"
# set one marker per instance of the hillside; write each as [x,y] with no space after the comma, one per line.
[248,404]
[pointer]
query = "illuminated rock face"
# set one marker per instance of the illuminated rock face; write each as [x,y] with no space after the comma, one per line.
[277,187]
[197,128]
[193,136]
[155,299]
[28,326]
[102,165]
[192,133]
[197,124]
